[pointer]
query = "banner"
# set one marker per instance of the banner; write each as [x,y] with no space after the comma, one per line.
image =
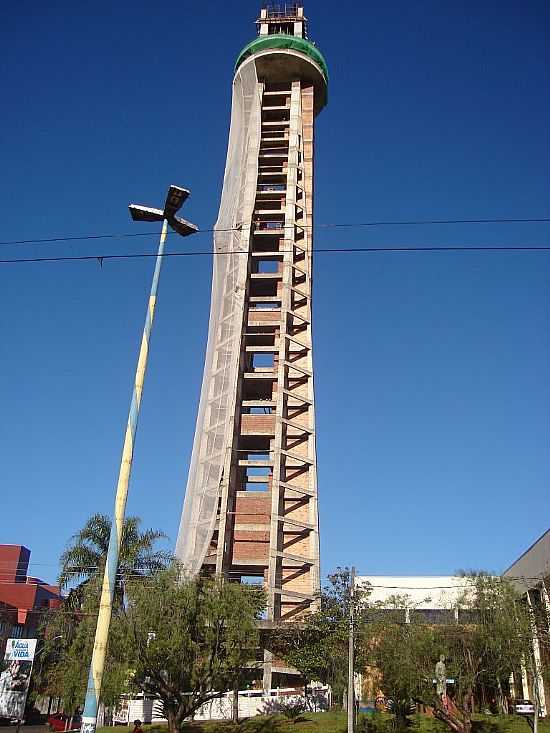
[15,677]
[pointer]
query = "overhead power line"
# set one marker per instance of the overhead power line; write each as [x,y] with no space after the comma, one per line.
[317,250]
[337,225]
[143,577]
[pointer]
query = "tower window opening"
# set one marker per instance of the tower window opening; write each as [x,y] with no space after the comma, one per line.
[272,187]
[266,306]
[263,359]
[284,28]
[256,486]
[257,456]
[259,471]
[267,266]
[256,478]
[252,580]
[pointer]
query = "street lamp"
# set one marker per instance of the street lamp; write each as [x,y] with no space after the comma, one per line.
[174,201]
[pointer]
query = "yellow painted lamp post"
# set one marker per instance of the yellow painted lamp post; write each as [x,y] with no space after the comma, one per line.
[174,200]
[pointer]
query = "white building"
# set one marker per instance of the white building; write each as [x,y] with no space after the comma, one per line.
[531,574]
[437,597]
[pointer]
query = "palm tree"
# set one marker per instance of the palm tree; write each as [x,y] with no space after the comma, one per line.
[84,559]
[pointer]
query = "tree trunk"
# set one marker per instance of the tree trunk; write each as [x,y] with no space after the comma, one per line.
[457,719]
[306,698]
[172,722]
[235,703]
[500,699]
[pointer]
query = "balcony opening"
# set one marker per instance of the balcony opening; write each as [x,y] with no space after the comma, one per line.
[252,580]
[277,87]
[258,410]
[267,243]
[271,187]
[256,486]
[258,389]
[258,455]
[266,306]
[253,445]
[267,266]
[263,288]
[286,29]
[256,478]
[261,336]
[263,359]
[264,225]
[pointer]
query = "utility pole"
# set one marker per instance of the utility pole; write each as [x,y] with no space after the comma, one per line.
[351,654]
[174,200]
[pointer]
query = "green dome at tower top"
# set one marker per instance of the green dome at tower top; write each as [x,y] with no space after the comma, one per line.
[280,40]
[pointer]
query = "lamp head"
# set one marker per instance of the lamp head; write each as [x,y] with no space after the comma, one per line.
[174,200]
[145,213]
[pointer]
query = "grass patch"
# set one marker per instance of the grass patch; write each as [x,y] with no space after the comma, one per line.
[336,722]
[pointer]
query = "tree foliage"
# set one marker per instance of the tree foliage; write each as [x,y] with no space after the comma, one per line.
[61,669]
[189,639]
[317,645]
[86,555]
[487,643]
[184,641]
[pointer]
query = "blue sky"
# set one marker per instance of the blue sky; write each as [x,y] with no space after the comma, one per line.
[433,451]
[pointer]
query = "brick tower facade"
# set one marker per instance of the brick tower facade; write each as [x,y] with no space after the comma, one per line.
[263,522]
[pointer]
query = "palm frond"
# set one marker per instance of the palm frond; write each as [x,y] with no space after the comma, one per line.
[86,554]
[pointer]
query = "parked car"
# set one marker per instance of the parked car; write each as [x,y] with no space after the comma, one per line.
[62,722]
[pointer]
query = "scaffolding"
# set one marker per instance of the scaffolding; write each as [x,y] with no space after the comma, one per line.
[215,419]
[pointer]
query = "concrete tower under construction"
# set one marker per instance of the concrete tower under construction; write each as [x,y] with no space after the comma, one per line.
[250,512]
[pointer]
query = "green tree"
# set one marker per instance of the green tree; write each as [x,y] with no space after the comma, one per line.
[189,639]
[86,554]
[317,644]
[61,668]
[183,641]
[489,641]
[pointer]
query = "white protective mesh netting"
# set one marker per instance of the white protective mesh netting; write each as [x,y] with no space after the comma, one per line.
[215,420]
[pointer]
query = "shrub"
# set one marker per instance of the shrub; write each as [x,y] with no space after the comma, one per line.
[292,709]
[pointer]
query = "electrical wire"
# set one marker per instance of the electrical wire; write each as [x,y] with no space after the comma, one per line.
[137,572]
[148,580]
[316,250]
[337,225]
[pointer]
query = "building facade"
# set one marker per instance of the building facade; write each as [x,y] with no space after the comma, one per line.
[250,512]
[23,598]
[531,575]
[435,598]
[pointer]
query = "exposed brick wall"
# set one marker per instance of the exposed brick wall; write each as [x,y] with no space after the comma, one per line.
[264,424]
[264,317]
[252,506]
[250,551]
[245,535]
